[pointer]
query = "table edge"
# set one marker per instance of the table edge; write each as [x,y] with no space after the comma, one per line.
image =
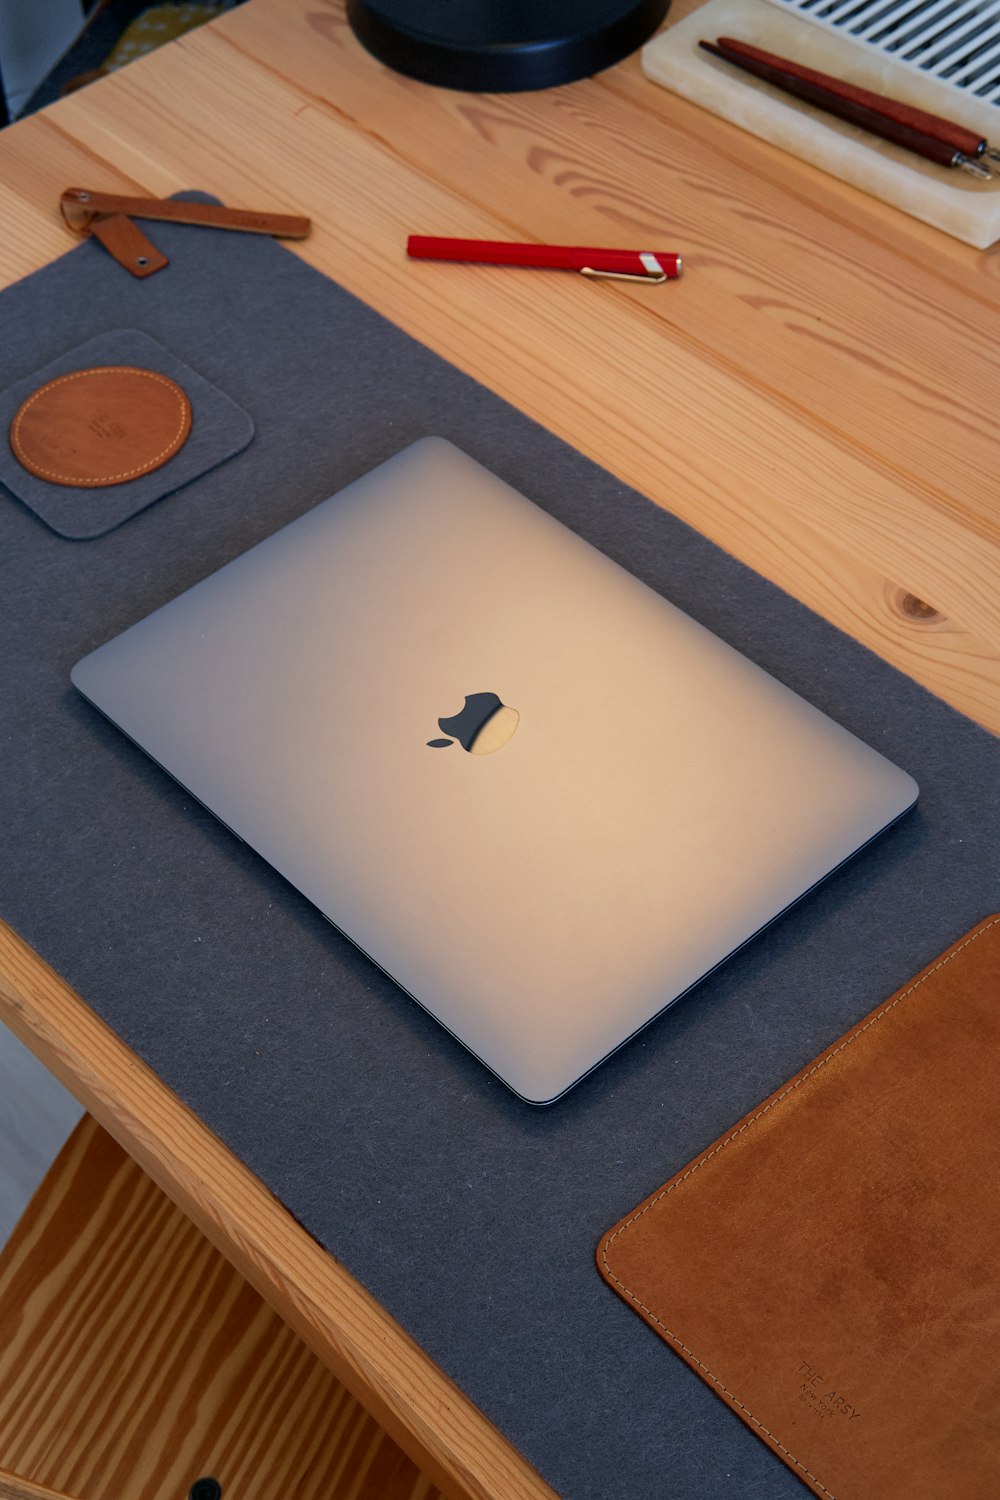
[417,1404]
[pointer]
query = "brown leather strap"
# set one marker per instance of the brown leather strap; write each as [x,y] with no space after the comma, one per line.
[80,205]
[127,243]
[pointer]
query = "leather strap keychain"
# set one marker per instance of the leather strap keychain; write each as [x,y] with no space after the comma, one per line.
[108,217]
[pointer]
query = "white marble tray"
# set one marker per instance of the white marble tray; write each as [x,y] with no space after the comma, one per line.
[948,198]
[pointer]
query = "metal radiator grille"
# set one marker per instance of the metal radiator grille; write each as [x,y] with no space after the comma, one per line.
[956,41]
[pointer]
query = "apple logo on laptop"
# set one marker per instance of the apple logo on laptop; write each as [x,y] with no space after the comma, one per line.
[485,724]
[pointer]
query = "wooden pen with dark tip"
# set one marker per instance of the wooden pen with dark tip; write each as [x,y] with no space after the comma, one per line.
[928,135]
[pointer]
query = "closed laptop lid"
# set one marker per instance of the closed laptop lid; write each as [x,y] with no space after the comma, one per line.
[539,796]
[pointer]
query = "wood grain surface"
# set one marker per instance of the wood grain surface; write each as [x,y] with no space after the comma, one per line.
[817,393]
[135,1360]
[12,1488]
[368,1352]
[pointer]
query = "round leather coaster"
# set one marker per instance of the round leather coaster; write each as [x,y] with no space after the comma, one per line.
[101,426]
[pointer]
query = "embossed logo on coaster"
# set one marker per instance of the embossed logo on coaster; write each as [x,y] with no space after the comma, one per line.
[101,426]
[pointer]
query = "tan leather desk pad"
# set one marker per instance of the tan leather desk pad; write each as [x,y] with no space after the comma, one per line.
[831,1265]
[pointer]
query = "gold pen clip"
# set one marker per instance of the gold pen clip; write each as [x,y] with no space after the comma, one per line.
[621,275]
[653,272]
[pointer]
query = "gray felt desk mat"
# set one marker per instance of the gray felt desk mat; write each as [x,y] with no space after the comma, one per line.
[472,1217]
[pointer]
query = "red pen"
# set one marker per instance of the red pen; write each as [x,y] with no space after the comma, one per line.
[620,265]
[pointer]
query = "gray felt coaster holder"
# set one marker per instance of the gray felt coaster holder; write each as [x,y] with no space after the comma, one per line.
[219,429]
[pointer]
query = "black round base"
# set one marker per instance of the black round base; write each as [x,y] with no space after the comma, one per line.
[501,46]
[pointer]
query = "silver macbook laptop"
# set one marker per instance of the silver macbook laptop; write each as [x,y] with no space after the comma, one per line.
[540,797]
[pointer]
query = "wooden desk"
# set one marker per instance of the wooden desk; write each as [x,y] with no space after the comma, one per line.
[817,394]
